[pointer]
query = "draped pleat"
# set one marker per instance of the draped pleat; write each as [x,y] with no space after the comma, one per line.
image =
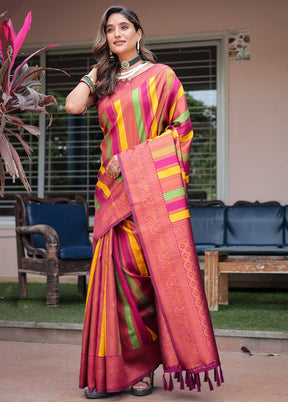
[120,336]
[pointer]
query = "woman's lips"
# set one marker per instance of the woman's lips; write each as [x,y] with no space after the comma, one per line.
[119,43]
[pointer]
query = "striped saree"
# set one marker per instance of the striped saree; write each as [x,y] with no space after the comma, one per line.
[146,304]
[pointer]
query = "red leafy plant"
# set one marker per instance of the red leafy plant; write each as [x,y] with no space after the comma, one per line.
[19,92]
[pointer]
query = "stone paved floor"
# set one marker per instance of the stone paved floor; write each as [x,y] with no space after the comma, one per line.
[42,372]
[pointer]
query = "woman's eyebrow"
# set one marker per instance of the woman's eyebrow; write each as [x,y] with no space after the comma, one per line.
[121,23]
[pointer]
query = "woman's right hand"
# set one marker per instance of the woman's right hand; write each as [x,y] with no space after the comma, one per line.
[113,167]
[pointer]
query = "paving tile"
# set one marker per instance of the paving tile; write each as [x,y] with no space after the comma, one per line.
[46,372]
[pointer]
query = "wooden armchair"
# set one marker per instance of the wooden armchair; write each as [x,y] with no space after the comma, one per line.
[52,239]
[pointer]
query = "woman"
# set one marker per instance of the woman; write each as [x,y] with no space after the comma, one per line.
[146,304]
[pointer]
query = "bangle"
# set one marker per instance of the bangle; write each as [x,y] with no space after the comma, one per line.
[88,81]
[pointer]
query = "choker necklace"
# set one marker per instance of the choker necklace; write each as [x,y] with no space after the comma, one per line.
[126,64]
[127,74]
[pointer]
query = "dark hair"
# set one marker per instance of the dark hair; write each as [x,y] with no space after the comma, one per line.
[108,68]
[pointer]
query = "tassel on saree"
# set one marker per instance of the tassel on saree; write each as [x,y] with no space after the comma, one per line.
[165,385]
[171,386]
[192,380]
[207,379]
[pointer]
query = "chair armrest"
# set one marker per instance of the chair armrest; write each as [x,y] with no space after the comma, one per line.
[50,236]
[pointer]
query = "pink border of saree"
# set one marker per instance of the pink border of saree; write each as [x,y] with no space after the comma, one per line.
[185,330]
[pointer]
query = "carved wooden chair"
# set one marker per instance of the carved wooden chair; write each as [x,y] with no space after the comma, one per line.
[53,240]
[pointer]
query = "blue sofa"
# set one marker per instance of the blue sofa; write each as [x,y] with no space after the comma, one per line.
[255,227]
[238,239]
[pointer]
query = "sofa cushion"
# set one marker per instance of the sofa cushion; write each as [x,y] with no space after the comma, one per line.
[255,225]
[70,223]
[76,252]
[208,225]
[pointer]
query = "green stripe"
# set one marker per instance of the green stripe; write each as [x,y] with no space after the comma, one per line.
[138,115]
[97,206]
[128,317]
[186,157]
[170,80]
[108,142]
[137,292]
[107,136]
[174,193]
[106,122]
[160,124]
[183,117]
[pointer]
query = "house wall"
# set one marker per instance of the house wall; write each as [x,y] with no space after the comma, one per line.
[258,88]
[8,254]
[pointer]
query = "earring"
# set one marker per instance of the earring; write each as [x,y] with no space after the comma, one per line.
[138,47]
[111,55]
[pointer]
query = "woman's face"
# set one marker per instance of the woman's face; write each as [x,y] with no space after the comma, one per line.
[122,36]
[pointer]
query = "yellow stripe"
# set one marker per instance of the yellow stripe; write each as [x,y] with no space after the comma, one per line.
[180,92]
[154,336]
[102,346]
[153,96]
[187,137]
[162,152]
[171,112]
[92,269]
[179,215]
[104,188]
[102,169]
[137,254]
[169,172]
[121,126]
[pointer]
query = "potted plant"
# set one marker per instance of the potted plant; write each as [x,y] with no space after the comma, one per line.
[19,92]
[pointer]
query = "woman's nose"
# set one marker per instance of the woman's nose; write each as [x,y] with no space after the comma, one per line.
[117,32]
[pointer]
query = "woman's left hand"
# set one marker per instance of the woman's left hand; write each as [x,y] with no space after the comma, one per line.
[113,167]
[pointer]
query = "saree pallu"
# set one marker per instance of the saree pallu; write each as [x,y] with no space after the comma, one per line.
[122,342]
